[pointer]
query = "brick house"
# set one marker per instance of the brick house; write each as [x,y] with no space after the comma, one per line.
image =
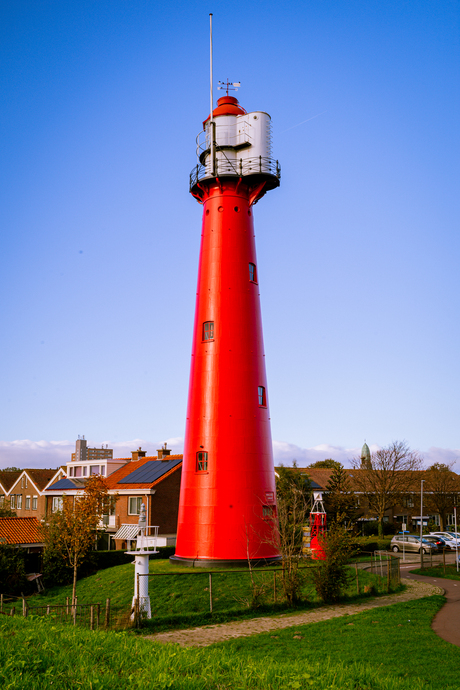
[405,511]
[150,480]
[25,494]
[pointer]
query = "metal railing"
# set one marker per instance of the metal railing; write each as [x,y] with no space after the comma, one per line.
[259,165]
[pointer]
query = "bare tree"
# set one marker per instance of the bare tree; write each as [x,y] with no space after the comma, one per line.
[441,490]
[390,475]
[293,502]
[339,498]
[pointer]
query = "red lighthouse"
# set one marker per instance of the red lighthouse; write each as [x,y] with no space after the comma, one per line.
[227,509]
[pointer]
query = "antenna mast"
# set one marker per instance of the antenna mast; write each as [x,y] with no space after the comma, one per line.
[211,95]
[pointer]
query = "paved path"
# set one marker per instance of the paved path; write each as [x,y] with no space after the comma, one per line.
[202,637]
[446,623]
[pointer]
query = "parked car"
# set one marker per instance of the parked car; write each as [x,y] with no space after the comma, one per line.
[448,538]
[439,541]
[411,542]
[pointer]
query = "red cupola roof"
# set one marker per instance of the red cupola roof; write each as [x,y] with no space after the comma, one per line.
[227,105]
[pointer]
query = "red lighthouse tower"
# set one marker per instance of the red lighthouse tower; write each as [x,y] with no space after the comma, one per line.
[227,509]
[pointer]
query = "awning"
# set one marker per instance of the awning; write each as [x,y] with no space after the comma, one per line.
[127,532]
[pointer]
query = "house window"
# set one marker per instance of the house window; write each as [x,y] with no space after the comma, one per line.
[408,502]
[103,470]
[94,469]
[26,481]
[268,511]
[12,501]
[262,396]
[202,461]
[19,501]
[77,472]
[85,471]
[27,502]
[2,500]
[56,505]
[208,330]
[135,503]
[22,482]
[34,503]
[252,273]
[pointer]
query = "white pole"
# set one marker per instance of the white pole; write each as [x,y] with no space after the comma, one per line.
[211,94]
[421,524]
[456,536]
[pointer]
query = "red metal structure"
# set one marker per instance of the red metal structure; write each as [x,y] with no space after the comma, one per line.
[317,526]
[227,509]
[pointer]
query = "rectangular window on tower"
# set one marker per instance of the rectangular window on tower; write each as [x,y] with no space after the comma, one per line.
[208,330]
[252,273]
[202,461]
[262,397]
[268,511]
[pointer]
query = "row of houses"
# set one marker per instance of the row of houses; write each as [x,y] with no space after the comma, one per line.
[34,494]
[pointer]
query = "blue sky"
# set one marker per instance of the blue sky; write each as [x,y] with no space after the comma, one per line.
[357,251]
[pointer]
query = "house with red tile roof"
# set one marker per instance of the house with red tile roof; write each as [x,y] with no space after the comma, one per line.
[150,480]
[21,531]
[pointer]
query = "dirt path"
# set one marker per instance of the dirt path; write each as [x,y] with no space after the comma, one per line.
[202,637]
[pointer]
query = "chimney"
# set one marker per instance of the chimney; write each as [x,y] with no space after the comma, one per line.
[163,452]
[136,454]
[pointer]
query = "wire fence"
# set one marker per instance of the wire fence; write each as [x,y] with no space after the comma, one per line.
[94,616]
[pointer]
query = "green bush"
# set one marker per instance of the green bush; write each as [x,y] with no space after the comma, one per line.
[12,571]
[371,528]
[331,575]
[369,544]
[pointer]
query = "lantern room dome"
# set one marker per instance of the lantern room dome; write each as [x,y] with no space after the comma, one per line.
[227,105]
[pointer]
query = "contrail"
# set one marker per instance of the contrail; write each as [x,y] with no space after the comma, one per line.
[302,123]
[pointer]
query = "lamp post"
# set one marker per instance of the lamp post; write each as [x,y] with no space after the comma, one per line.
[456,536]
[421,525]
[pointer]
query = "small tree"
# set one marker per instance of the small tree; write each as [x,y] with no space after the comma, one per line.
[340,499]
[71,531]
[5,509]
[389,477]
[331,575]
[441,490]
[328,464]
[293,502]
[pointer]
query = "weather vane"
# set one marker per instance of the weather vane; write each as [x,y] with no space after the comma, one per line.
[230,86]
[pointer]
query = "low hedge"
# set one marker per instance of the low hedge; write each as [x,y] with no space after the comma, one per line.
[370,544]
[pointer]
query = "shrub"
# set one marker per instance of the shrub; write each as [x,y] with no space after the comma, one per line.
[12,570]
[331,575]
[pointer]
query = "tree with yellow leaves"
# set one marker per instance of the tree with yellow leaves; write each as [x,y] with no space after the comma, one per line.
[72,530]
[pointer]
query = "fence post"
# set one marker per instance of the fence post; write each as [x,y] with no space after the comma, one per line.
[357,578]
[91,617]
[210,592]
[67,606]
[12,611]
[107,613]
[98,615]
[274,586]
[1,603]
[444,559]
[48,608]
[24,608]
[388,574]
[75,614]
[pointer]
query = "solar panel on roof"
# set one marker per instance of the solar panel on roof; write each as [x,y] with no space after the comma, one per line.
[149,472]
[66,483]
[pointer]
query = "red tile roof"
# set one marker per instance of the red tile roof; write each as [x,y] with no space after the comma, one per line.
[20,530]
[114,480]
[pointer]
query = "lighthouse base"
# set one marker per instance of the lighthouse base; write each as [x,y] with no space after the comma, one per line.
[225,563]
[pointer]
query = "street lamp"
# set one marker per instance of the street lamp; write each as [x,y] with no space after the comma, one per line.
[421,524]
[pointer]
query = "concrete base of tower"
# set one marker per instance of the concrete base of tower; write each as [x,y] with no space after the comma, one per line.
[224,563]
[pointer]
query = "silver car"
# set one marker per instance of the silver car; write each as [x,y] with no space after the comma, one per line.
[410,542]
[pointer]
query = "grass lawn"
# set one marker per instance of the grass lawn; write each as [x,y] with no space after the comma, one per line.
[392,648]
[180,595]
[438,571]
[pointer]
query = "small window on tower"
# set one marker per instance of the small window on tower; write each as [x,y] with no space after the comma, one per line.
[252,273]
[262,397]
[269,511]
[202,461]
[208,330]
